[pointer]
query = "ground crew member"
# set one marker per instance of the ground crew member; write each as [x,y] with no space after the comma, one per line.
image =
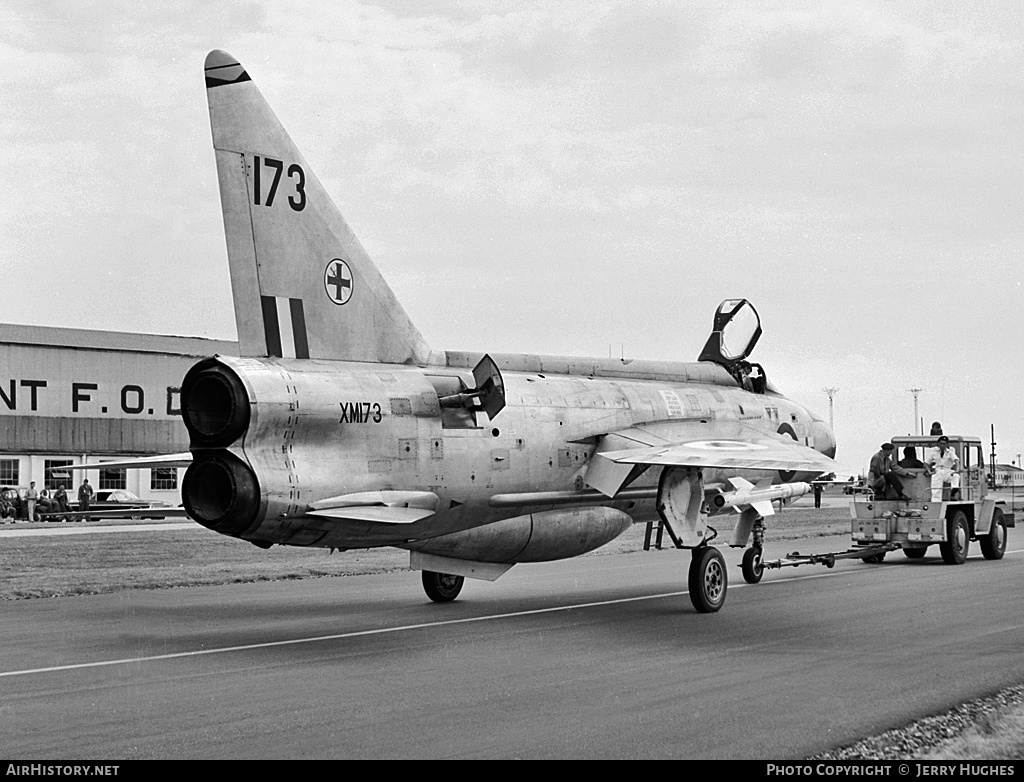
[84,495]
[884,475]
[945,466]
[31,496]
[910,459]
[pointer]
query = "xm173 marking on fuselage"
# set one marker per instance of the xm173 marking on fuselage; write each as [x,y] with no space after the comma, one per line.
[360,413]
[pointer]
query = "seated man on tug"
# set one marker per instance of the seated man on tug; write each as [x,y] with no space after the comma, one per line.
[883,475]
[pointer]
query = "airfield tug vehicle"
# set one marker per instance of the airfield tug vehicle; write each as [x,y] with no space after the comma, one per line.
[880,525]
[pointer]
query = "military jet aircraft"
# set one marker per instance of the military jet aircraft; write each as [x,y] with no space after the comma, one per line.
[338,426]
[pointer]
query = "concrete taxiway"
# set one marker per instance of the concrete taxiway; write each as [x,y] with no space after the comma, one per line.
[594,657]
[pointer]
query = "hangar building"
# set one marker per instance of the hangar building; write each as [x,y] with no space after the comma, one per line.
[71,396]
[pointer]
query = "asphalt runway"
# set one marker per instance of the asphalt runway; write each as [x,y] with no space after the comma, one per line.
[601,656]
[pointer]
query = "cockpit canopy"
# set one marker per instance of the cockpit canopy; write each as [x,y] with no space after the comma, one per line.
[736,329]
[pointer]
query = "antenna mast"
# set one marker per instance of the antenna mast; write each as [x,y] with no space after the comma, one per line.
[916,392]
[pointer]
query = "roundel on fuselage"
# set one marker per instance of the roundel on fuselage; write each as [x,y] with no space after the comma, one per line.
[785,428]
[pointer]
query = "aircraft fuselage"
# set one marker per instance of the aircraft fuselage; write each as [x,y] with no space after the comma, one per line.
[317,429]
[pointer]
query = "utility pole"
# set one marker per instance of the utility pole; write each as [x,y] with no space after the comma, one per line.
[916,392]
[831,419]
[993,428]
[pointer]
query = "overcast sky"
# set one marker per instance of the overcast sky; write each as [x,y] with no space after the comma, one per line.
[571,178]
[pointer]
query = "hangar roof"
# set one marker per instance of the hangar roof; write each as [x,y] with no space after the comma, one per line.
[114,340]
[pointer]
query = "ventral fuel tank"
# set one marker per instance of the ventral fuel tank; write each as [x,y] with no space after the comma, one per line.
[536,537]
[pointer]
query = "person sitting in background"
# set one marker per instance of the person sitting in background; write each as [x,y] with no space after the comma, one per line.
[7,510]
[910,460]
[60,501]
[44,504]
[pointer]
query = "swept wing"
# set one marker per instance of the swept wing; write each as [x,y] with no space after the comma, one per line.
[724,444]
[163,460]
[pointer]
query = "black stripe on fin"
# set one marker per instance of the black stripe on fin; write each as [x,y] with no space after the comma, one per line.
[212,81]
[271,327]
[299,328]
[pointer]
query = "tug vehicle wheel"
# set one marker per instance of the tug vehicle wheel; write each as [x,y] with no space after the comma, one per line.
[958,540]
[993,545]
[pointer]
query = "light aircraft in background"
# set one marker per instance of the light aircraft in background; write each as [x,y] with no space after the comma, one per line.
[339,427]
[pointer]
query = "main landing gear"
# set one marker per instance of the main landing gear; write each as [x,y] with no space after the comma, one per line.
[442,587]
[708,581]
[684,512]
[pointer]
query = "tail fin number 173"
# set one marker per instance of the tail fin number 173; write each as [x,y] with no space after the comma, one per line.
[297,201]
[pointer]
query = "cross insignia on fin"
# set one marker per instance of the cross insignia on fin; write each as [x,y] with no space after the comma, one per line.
[338,281]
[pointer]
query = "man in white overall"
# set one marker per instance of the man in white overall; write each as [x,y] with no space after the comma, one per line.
[944,466]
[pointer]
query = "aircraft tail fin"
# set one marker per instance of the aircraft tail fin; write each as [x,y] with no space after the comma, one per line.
[302,284]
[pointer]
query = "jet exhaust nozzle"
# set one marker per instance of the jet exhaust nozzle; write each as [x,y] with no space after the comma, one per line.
[221,492]
[214,405]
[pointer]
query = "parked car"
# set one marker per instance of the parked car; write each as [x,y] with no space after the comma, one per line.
[122,499]
[854,488]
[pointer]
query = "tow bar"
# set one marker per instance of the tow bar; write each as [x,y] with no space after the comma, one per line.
[796,559]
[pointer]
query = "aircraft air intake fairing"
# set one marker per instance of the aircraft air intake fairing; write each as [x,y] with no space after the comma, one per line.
[338,426]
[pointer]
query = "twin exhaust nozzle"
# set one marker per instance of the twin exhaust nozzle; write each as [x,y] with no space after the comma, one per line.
[219,490]
[214,405]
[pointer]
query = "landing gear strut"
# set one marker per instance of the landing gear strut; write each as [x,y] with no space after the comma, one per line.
[753,561]
[681,505]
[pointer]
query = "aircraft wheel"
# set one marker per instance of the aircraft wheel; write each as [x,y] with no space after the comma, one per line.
[874,559]
[752,566]
[708,581]
[915,553]
[958,540]
[442,587]
[993,545]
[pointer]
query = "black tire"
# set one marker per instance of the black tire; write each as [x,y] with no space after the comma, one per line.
[874,559]
[915,553]
[708,581]
[958,540]
[993,545]
[752,566]
[442,587]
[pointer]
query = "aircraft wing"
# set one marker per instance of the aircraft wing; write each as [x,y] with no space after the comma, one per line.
[119,513]
[725,444]
[163,460]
